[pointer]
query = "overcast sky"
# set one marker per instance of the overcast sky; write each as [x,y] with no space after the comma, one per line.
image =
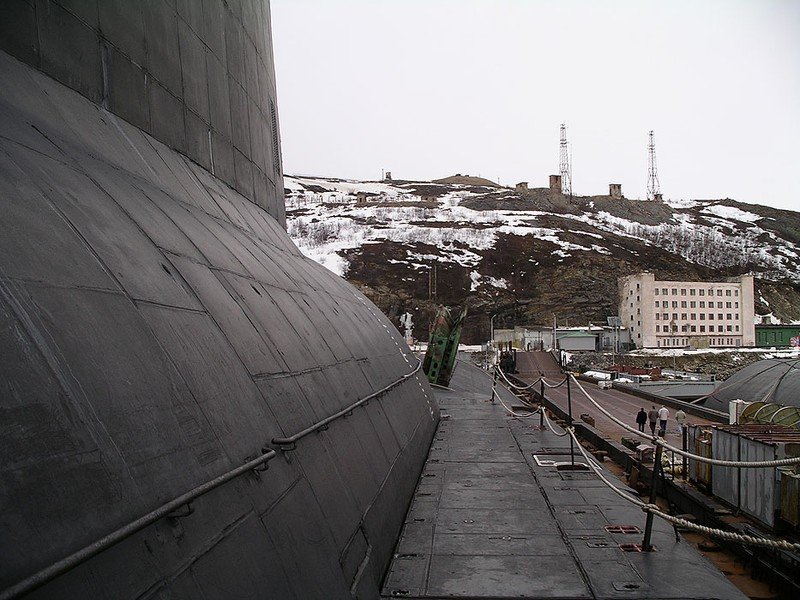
[430,88]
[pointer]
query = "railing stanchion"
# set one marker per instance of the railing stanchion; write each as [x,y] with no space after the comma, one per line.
[648,526]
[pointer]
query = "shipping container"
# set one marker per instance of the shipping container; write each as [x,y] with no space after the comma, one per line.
[754,491]
[790,497]
[699,442]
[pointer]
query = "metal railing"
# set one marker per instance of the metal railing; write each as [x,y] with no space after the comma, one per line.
[166,510]
[287,443]
[73,560]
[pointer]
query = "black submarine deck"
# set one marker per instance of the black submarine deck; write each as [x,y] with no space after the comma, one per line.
[488,520]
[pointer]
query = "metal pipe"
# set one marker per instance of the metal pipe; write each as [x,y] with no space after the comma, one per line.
[648,526]
[324,422]
[73,560]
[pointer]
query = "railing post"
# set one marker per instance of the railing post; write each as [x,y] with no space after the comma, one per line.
[569,422]
[494,384]
[648,526]
[541,398]
[685,447]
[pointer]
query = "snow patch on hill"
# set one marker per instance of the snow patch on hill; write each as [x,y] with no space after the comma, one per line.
[327,218]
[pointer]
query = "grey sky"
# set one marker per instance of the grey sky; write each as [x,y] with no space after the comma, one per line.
[429,88]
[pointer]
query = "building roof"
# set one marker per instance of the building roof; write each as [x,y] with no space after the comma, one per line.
[773,380]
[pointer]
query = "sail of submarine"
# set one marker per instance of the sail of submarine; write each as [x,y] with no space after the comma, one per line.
[191,408]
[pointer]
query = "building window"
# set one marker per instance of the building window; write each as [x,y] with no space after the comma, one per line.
[637,298]
[728,316]
[693,329]
[638,310]
[631,317]
[674,316]
[656,303]
[684,328]
[727,292]
[737,316]
[693,316]
[655,291]
[674,304]
[639,323]
[727,305]
[737,328]
[719,316]
[702,304]
[702,292]
[729,328]
[702,316]
[658,316]
[711,328]
[658,328]
[692,304]
[719,304]
[674,291]
[719,292]
[683,291]
[735,305]
[683,316]
[736,293]
[702,328]
[665,316]
[710,316]
[691,292]
[658,342]
[683,303]
[663,291]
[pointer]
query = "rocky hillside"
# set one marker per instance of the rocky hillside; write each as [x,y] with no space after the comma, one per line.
[530,256]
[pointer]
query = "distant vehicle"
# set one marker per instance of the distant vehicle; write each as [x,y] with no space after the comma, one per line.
[604,384]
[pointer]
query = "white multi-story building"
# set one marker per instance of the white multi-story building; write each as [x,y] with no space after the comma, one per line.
[676,314]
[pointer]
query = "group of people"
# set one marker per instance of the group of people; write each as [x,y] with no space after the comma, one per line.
[659,417]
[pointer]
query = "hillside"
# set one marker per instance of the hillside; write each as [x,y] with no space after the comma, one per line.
[530,257]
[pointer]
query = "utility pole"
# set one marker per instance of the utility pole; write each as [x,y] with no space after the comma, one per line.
[564,166]
[653,186]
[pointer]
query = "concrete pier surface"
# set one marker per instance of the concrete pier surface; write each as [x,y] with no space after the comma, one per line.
[493,517]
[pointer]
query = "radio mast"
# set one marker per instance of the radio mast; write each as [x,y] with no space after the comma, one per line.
[564,166]
[653,186]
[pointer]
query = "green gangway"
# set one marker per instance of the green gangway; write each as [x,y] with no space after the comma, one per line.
[440,359]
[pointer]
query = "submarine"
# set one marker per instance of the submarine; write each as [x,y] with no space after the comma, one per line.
[190,407]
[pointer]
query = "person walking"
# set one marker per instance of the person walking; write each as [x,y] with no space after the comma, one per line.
[680,418]
[641,418]
[652,417]
[663,416]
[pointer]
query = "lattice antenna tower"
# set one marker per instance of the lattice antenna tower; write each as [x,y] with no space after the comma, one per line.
[564,163]
[653,186]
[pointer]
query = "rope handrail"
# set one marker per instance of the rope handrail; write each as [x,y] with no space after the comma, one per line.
[531,384]
[654,509]
[564,430]
[76,558]
[285,441]
[511,410]
[661,442]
